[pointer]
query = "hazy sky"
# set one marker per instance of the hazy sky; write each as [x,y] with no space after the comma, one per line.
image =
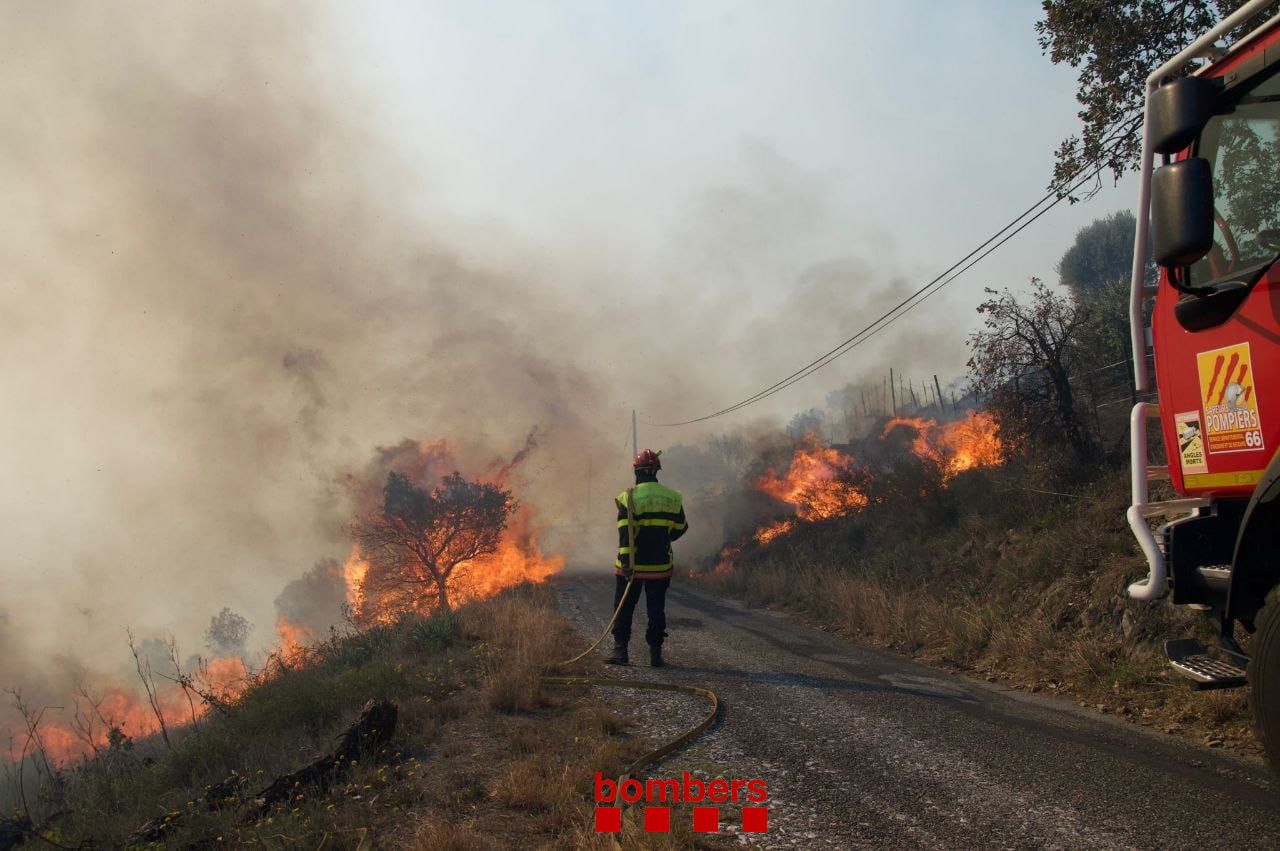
[246,248]
[907,132]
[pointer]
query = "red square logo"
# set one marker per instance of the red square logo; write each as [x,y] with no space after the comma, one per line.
[657,819]
[706,819]
[755,819]
[608,819]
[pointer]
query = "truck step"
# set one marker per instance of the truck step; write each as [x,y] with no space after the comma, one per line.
[1205,668]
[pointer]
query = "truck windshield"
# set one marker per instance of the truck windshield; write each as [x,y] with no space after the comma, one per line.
[1243,146]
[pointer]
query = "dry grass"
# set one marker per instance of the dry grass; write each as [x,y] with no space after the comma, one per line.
[482,757]
[518,645]
[1023,587]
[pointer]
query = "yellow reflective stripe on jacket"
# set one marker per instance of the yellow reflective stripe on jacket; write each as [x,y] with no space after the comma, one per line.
[646,568]
[656,515]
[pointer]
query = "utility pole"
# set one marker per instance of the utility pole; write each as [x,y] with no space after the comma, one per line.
[635,444]
[938,387]
[893,393]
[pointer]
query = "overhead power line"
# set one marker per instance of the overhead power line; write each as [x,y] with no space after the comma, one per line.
[955,270]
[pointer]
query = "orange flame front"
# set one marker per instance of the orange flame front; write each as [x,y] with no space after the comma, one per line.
[222,679]
[769,531]
[517,559]
[818,483]
[292,639]
[823,483]
[956,446]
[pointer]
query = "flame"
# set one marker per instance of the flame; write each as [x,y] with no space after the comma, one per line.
[293,638]
[769,531]
[817,483]
[822,482]
[224,679]
[517,559]
[353,573]
[955,446]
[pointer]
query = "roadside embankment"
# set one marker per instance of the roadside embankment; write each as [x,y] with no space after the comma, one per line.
[998,576]
[481,754]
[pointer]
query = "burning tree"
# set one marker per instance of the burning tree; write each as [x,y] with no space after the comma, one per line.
[1024,358]
[421,537]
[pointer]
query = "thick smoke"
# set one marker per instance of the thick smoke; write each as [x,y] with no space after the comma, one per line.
[220,297]
[215,305]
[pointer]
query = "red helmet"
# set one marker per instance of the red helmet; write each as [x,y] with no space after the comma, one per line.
[647,460]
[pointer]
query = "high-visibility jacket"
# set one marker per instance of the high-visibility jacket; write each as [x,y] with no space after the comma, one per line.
[659,518]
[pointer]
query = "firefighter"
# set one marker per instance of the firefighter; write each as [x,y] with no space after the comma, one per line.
[658,514]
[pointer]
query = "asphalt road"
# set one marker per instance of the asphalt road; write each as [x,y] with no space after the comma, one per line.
[862,748]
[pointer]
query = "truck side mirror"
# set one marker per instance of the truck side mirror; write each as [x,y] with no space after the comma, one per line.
[1182,212]
[1178,111]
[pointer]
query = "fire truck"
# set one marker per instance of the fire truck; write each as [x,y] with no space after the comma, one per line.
[1209,209]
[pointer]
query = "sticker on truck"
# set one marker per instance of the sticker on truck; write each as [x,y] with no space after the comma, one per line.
[1191,443]
[1231,422]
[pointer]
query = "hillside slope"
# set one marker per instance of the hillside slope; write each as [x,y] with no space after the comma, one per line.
[999,576]
[482,756]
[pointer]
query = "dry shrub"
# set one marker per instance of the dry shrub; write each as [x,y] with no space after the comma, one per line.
[605,720]
[1223,706]
[535,785]
[523,738]
[522,640]
[1090,657]
[452,836]
[634,837]
[965,629]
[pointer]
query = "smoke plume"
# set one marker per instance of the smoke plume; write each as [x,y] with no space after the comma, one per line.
[222,296]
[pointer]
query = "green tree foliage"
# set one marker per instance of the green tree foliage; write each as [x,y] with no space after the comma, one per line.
[227,633]
[1115,45]
[421,537]
[1102,254]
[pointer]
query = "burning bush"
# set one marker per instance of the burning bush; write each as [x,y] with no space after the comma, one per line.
[421,537]
[821,482]
[433,540]
[954,447]
[908,464]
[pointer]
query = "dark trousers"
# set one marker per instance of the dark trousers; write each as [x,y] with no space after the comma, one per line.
[655,604]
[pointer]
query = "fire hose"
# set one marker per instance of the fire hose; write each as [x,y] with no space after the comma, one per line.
[649,758]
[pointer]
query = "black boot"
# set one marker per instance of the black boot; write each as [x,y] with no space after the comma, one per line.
[655,656]
[619,656]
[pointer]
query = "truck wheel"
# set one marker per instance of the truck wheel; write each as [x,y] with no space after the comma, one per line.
[1264,678]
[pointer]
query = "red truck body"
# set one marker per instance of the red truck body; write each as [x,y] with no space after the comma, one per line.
[1219,388]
